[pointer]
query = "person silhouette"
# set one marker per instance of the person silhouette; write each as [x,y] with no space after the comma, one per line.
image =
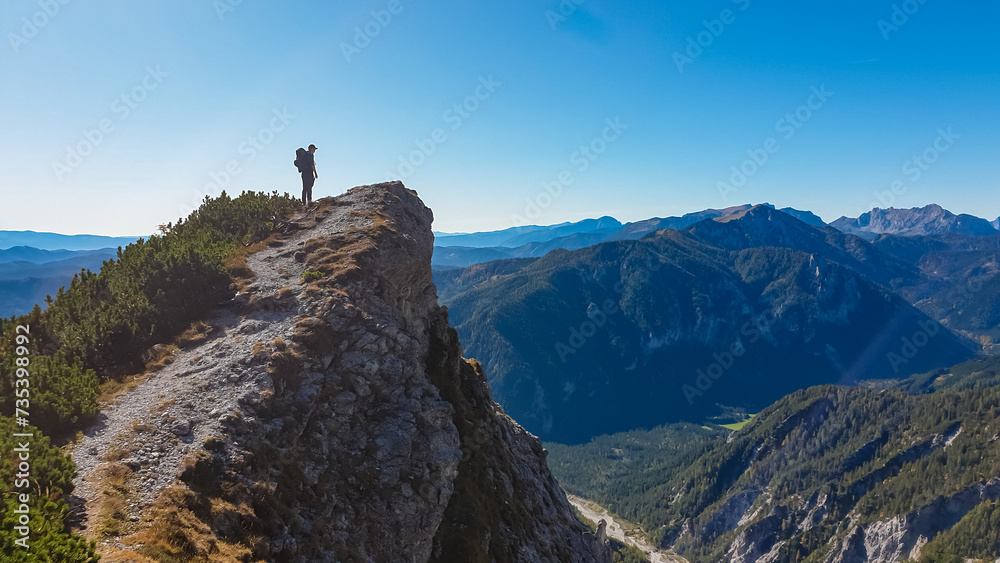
[307,166]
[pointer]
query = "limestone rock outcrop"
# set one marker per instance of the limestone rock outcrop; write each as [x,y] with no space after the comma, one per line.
[330,416]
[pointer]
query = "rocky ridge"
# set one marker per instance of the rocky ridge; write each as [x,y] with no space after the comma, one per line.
[929,220]
[328,415]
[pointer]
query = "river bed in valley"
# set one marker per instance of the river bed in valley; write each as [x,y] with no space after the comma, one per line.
[619,529]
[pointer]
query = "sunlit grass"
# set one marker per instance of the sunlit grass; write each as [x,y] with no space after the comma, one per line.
[740,424]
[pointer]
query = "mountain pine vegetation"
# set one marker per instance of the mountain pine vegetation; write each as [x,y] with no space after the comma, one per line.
[51,481]
[624,553]
[99,329]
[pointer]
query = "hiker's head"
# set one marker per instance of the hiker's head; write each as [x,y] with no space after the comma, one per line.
[312,148]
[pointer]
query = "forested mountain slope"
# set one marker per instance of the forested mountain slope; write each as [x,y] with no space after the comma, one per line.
[633,334]
[960,280]
[832,474]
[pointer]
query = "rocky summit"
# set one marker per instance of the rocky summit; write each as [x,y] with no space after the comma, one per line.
[928,220]
[326,414]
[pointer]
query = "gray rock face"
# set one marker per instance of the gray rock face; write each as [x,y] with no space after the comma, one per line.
[375,425]
[929,220]
[506,502]
[341,415]
[769,527]
[893,540]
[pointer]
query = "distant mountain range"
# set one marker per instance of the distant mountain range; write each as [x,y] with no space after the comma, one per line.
[466,249]
[735,310]
[23,285]
[959,282]
[28,274]
[23,261]
[54,241]
[35,264]
[639,229]
[517,236]
[928,220]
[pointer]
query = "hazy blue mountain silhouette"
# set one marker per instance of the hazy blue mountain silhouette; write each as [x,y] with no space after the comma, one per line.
[39,256]
[54,241]
[525,242]
[28,274]
[517,236]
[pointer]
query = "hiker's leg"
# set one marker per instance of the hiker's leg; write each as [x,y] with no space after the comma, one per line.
[307,188]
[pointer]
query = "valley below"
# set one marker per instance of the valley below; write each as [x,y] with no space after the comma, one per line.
[623,531]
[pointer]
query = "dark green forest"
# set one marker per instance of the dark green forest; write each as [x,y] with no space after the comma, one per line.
[622,553]
[98,330]
[614,469]
[636,334]
[875,452]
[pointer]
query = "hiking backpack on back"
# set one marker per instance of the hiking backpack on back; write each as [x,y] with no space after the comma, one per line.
[298,162]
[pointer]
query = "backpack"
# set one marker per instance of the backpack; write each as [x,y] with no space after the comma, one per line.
[299,161]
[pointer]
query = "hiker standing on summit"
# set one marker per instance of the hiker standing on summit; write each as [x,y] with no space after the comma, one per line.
[305,161]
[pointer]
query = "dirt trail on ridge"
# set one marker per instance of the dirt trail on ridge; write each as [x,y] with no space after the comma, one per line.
[171,412]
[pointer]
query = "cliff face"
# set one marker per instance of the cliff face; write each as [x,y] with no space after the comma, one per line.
[351,428]
[894,540]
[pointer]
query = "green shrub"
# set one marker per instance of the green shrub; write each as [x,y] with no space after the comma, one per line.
[99,326]
[624,553]
[310,276]
[51,479]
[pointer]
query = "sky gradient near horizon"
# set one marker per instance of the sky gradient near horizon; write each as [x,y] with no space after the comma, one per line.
[120,116]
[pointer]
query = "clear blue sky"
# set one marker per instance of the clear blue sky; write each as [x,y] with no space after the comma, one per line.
[209,80]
